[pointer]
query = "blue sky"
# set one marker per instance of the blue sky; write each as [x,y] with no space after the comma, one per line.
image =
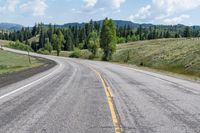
[28,12]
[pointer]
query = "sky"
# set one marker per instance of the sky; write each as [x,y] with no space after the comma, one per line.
[169,12]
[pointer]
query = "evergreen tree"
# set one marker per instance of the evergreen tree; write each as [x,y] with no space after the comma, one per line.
[187,32]
[68,45]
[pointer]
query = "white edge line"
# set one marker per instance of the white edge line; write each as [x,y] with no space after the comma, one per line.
[21,88]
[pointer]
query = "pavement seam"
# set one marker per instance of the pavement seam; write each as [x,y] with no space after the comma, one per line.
[116,121]
[109,95]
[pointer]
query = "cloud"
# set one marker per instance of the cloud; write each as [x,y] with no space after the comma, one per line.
[93,6]
[117,3]
[36,7]
[173,11]
[169,7]
[176,20]
[143,13]
[90,3]
[166,11]
[10,6]
[76,11]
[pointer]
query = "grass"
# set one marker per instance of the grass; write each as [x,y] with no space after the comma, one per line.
[85,54]
[4,42]
[34,39]
[180,56]
[11,62]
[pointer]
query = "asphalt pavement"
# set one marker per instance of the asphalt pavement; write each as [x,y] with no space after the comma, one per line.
[71,98]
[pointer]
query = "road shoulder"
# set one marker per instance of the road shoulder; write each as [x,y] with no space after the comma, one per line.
[7,79]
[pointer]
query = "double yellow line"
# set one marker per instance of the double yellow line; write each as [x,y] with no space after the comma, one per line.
[116,121]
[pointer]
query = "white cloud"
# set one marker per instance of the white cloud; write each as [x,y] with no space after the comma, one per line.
[90,3]
[94,6]
[10,6]
[169,7]
[76,11]
[36,7]
[117,3]
[166,11]
[176,20]
[143,13]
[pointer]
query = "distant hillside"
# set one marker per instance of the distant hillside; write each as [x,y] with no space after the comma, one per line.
[122,23]
[119,23]
[10,26]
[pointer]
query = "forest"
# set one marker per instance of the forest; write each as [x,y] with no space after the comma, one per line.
[71,37]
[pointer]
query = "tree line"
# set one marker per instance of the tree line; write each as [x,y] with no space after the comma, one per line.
[93,35]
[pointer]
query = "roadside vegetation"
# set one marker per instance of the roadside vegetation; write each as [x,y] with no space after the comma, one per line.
[170,48]
[174,55]
[11,62]
[20,46]
[181,56]
[5,42]
[79,36]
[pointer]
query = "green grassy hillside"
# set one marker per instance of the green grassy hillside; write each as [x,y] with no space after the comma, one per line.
[11,62]
[34,39]
[4,42]
[175,55]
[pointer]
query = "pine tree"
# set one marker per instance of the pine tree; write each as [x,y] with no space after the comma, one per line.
[187,32]
[68,45]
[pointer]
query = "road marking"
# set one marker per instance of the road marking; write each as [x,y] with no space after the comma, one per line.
[109,95]
[21,88]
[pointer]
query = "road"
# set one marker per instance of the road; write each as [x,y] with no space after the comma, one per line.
[81,96]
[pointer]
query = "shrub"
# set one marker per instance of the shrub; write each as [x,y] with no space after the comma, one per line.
[43,51]
[76,53]
[121,40]
[20,46]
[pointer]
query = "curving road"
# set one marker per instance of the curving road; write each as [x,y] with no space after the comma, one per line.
[81,96]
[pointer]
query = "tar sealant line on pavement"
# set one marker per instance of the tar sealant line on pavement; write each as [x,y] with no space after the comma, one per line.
[109,95]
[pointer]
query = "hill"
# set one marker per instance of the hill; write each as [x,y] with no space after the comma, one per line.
[175,55]
[119,23]
[122,23]
[10,26]
[181,56]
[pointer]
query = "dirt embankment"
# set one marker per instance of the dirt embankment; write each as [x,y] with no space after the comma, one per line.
[7,79]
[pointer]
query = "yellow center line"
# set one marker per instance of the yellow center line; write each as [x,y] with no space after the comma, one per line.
[109,95]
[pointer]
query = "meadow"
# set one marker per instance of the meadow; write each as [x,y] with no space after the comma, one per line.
[180,56]
[11,62]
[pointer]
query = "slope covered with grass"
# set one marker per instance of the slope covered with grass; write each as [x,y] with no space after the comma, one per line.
[11,62]
[174,55]
[4,42]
